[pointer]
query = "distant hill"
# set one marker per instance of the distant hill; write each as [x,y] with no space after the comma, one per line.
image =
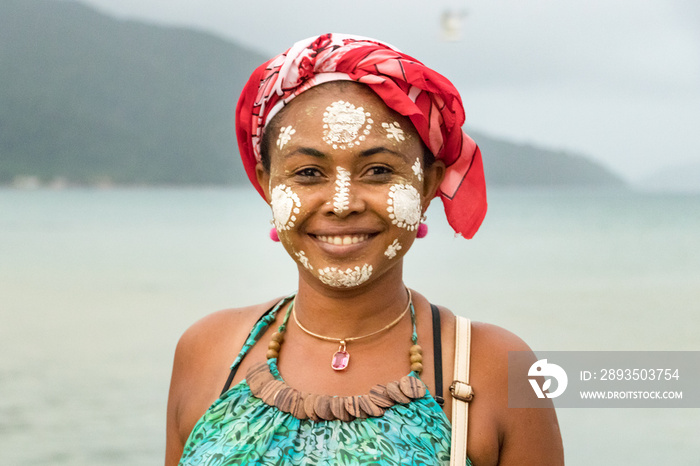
[91,99]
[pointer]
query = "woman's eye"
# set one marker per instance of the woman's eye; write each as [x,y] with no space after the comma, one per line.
[379,171]
[309,173]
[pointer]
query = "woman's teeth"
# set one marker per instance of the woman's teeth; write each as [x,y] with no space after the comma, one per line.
[343,240]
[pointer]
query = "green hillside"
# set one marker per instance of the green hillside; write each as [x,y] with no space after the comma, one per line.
[90,99]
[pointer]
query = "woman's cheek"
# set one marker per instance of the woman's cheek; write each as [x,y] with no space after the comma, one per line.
[285,205]
[404,206]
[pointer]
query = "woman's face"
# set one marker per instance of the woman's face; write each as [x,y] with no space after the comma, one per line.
[346,185]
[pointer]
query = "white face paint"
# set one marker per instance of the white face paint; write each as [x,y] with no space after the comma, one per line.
[404,206]
[341,200]
[342,123]
[285,205]
[394,131]
[348,278]
[392,249]
[301,255]
[285,135]
[417,170]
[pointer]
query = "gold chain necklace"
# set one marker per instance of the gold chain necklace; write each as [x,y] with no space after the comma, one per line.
[341,358]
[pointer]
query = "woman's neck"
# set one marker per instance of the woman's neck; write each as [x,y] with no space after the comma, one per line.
[350,312]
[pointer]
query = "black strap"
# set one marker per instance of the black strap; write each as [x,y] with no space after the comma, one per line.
[234,369]
[437,354]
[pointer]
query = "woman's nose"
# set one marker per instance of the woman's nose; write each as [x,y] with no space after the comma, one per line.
[346,199]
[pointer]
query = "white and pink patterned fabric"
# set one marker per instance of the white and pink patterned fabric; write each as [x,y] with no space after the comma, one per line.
[407,86]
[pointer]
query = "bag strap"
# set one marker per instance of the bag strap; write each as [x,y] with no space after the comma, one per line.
[461,391]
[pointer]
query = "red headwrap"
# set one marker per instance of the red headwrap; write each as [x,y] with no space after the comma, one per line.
[403,83]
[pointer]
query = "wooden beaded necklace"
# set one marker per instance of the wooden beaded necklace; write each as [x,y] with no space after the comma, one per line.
[273,391]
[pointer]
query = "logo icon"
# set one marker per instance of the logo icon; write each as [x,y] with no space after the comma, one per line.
[550,371]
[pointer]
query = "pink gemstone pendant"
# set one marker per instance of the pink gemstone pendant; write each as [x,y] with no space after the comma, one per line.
[341,358]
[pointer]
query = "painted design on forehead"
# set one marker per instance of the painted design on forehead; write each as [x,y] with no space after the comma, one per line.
[286,133]
[285,205]
[348,278]
[404,206]
[392,249]
[301,255]
[341,199]
[342,123]
[418,170]
[394,131]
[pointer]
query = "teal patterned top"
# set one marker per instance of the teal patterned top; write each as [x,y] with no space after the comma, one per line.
[240,429]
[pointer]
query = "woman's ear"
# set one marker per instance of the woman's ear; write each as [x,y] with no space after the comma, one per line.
[433,177]
[263,177]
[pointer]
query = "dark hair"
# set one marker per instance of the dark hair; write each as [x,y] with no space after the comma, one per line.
[340,86]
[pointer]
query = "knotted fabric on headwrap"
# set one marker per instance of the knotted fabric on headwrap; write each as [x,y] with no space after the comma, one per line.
[404,84]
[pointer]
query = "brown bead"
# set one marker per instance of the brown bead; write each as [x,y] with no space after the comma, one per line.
[278,337]
[395,393]
[271,354]
[322,407]
[412,387]
[298,410]
[352,406]
[379,396]
[274,345]
[338,409]
[257,377]
[286,399]
[416,358]
[416,349]
[270,391]
[369,407]
[309,402]
[417,367]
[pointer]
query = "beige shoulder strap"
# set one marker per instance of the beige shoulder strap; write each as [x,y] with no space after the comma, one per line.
[461,391]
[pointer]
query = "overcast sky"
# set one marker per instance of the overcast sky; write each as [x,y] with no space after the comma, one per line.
[616,80]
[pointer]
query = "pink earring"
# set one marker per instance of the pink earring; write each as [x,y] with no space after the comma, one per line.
[276,238]
[422,231]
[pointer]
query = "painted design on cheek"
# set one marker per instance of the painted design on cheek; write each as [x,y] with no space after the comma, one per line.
[417,170]
[301,255]
[404,206]
[341,200]
[285,135]
[392,249]
[285,205]
[394,131]
[348,278]
[342,123]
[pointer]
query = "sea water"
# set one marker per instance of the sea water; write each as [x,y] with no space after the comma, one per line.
[96,287]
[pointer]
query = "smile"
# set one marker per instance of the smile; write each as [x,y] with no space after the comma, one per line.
[343,240]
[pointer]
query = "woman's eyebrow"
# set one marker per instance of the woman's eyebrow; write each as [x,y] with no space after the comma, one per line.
[381,150]
[307,151]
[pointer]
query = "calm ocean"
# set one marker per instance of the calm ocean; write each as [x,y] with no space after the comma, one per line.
[96,287]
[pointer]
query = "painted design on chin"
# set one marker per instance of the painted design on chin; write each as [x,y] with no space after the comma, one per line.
[286,133]
[392,249]
[301,255]
[404,206]
[418,170]
[348,278]
[341,200]
[285,205]
[342,123]
[394,131]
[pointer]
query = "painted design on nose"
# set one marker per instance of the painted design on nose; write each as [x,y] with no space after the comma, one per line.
[404,206]
[285,205]
[392,249]
[338,278]
[341,199]
[418,170]
[342,123]
[285,136]
[394,131]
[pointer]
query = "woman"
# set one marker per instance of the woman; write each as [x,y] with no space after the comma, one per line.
[349,140]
